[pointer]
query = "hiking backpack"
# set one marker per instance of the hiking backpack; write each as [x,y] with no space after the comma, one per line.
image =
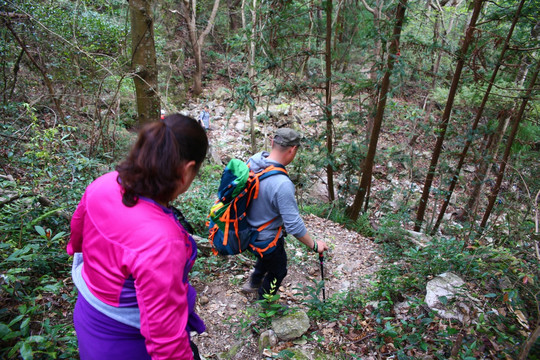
[229,231]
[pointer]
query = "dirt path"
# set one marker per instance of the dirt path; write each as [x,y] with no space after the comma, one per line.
[225,309]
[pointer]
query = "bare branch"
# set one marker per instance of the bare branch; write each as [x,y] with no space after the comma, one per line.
[13,15]
[368,8]
[210,23]
[536,221]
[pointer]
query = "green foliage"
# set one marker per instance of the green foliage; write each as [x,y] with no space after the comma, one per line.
[68,29]
[34,221]
[410,276]
[257,318]
[243,95]
[309,159]
[528,134]
[336,307]
[52,163]
[33,323]
[195,204]
[270,306]
[205,267]
[241,326]
[407,270]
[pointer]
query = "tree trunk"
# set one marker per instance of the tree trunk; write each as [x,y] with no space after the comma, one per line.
[487,157]
[232,7]
[304,67]
[526,60]
[535,334]
[197,75]
[189,13]
[376,11]
[490,152]
[328,101]
[143,60]
[252,72]
[340,27]
[516,119]
[474,126]
[354,210]
[446,115]
[524,354]
[428,102]
[16,68]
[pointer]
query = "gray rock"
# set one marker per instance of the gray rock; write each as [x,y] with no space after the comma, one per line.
[231,353]
[268,339]
[204,300]
[240,126]
[418,238]
[222,94]
[291,326]
[286,122]
[308,354]
[298,354]
[214,156]
[319,191]
[401,309]
[220,111]
[447,296]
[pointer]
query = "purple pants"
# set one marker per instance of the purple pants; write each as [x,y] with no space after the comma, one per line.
[103,338]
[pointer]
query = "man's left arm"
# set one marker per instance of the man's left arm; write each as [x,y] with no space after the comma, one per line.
[310,243]
[292,221]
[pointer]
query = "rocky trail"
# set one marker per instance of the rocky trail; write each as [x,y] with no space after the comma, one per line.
[230,315]
[232,318]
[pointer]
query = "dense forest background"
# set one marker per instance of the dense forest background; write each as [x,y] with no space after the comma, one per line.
[438,99]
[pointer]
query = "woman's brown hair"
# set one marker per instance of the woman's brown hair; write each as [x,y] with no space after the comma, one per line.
[151,168]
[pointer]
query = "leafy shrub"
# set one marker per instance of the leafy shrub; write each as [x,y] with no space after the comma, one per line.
[35,295]
[197,201]
[337,306]
[500,276]
[33,322]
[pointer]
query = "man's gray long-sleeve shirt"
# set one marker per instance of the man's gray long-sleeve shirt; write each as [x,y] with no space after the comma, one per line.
[276,200]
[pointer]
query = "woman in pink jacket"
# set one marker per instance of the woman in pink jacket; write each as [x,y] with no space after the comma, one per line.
[132,253]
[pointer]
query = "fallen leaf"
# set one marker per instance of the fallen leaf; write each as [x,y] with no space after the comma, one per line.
[270,353]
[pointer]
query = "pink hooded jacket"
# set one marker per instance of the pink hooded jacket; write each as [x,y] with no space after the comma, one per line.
[143,244]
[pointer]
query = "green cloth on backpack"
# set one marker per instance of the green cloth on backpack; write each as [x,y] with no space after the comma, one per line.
[241,171]
[237,172]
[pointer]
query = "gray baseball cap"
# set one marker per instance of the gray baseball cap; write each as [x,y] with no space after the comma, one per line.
[287,137]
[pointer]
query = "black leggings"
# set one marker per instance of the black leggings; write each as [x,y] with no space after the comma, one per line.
[271,268]
[195,350]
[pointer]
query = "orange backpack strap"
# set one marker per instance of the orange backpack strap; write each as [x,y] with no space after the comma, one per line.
[263,226]
[225,218]
[213,232]
[254,193]
[272,243]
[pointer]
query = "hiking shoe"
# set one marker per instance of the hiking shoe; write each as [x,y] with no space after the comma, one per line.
[248,287]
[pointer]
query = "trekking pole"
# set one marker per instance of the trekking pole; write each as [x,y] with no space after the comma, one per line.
[321,260]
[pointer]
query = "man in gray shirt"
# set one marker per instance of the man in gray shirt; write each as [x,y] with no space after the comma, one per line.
[276,203]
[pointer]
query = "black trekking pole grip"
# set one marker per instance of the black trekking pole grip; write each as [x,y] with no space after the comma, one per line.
[321,260]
